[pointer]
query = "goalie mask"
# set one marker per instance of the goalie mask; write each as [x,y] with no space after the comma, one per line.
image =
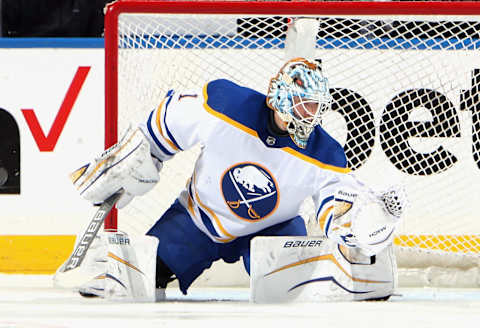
[300,95]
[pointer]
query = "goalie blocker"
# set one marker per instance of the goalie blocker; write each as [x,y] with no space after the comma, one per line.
[316,269]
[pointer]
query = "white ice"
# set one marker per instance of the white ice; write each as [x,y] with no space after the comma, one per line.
[30,301]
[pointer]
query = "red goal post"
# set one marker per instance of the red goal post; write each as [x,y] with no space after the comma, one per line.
[404,75]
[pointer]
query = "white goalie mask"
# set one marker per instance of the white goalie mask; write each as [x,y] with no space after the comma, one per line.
[300,95]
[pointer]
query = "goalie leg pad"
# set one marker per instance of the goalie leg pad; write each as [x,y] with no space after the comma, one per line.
[316,269]
[93,265]
[129,270]
[380,277]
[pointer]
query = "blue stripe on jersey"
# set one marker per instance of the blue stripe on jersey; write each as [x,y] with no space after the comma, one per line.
[154,137]
[208,223]
[205,219]
[169,95]
[248,108]
[326,200]
[189,188]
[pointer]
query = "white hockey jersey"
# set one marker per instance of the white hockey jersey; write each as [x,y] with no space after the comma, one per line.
[246,178]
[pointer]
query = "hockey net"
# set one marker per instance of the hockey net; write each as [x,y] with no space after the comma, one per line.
[404,78]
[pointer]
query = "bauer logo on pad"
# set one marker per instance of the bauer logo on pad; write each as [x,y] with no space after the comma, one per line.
[250,191]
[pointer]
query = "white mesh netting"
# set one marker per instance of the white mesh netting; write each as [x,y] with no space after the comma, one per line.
[405,107]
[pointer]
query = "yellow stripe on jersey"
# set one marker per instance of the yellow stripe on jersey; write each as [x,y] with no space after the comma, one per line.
[193,214]
[316,162]
[159,126]
[224,117]
[213,215]
[327,257]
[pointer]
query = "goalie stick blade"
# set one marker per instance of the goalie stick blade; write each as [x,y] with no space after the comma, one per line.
[89,234]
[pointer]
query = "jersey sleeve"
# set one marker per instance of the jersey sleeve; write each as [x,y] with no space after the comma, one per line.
[179,123]
[324,200]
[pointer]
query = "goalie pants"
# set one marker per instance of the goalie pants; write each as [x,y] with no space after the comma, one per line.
[187,251]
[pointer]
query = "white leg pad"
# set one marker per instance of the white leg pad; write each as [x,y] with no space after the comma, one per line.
[315,269]
[129,270]
[92,266]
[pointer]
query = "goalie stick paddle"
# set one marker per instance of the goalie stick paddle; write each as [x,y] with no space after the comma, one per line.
[85,241]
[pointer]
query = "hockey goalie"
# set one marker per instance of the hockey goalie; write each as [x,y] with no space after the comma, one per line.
[261,157]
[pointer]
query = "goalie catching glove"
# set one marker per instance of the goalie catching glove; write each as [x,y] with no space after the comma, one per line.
[128,164]
[364,218]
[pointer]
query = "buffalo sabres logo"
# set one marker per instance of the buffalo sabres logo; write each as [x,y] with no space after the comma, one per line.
[250,191]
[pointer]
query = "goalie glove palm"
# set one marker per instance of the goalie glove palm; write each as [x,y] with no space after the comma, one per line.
[127,164]
[366,219]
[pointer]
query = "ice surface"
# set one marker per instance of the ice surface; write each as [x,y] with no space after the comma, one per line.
[30,301]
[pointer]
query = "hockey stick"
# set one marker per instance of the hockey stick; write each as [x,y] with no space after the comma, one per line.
[85,241]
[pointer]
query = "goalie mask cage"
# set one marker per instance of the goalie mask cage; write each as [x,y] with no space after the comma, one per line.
[405,81]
